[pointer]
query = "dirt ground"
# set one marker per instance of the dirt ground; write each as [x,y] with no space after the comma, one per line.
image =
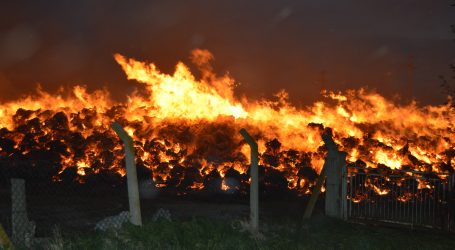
[224,209]
[79,213]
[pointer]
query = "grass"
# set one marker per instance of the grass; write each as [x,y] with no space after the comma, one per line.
[199,233]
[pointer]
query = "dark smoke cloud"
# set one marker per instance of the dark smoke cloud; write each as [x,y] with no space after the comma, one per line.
[265,45]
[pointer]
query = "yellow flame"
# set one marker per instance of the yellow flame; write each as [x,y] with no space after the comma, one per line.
[380,126]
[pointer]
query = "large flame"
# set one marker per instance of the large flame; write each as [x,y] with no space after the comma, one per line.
[186,130]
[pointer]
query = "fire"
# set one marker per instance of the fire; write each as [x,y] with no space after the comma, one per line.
[180,95]
[185,130]
[391,160]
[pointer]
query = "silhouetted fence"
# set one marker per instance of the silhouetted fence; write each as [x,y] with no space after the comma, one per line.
[403,197]
[34,206]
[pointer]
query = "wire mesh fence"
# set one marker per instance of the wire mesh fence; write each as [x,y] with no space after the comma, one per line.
[33,206]
[405,197]
[34,203]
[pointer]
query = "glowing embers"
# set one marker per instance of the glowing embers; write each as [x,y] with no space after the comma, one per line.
[369,186]
[185,132]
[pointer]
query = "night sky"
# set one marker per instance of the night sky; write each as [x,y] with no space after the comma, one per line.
[265,45]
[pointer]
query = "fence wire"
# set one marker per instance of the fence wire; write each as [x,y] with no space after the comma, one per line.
[408,198]
[37,206]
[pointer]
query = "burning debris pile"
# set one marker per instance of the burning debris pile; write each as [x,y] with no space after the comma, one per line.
[185,132]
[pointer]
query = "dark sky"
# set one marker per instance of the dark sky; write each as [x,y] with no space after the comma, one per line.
[265,45]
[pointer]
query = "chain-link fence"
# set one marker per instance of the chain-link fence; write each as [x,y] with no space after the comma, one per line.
[32,206]
[38,197]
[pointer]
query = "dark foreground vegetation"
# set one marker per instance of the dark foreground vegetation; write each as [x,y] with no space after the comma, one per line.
[201,233]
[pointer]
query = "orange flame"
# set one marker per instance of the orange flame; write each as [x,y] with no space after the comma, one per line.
[183,121]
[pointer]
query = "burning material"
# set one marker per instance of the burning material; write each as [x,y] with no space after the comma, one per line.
[185,133]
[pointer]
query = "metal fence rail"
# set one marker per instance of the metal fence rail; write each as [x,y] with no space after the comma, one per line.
[404,197]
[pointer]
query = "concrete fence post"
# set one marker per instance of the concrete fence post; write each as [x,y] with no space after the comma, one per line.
[335,195]
[23,230]
[334,174]
[254,185]
[131,175]
[332,183]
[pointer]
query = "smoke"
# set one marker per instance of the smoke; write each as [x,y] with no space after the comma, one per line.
[265,45]
[18,44]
